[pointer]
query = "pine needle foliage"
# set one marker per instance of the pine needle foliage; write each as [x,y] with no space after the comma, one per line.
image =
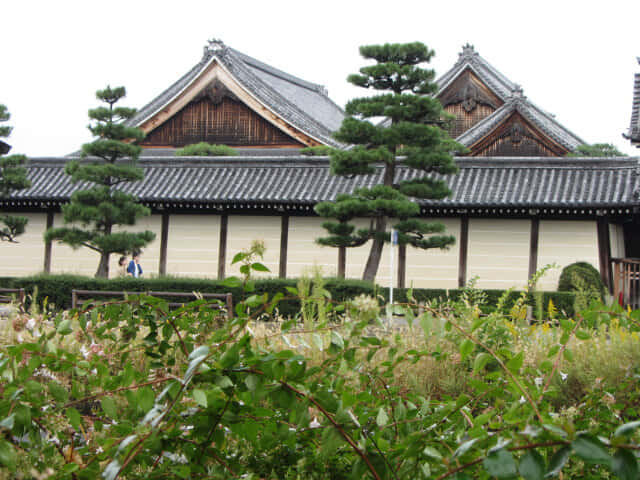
[110,161]
[412,135]
[13,176]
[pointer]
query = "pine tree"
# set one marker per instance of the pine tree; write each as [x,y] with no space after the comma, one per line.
[108,162]
[411,136]
[13,176]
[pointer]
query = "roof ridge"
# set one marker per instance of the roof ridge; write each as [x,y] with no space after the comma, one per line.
[316,87]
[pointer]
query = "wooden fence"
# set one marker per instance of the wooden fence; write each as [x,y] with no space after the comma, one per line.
[626,281]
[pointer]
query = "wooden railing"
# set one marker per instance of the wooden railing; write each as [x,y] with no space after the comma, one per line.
[626,281]
[78,296]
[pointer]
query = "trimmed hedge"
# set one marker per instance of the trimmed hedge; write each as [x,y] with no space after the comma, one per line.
[57,290]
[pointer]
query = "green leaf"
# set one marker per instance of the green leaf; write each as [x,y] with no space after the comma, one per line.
[74,418]
[8,422]
[466,347]
[231,282]
[625,465]
[252,382]
[382,418]
[238,257]
[109,407]
[259,267]
[201,351]
[515,364]
[557,462]
[58,392]
[64,327]
[481,361]
[500,464]
[146,399]
[8,455]
[582,335]
[531,466]
[432,453]
[627,428]
[200,397]
[590,449]
[568,355]
[465,447]
[337,340]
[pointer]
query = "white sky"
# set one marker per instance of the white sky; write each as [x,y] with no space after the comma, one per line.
[575,59]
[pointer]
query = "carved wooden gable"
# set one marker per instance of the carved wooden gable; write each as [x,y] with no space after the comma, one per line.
[217,116]
[470,100]
[517,137]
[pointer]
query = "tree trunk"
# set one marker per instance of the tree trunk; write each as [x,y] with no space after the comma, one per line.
[402,265]
[342,261]
[103,266]
[371,269]
[375,254]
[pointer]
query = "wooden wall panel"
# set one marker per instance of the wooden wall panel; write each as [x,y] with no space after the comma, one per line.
[465,120]
[227,122]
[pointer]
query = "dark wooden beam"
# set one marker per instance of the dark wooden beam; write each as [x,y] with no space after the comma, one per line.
[533,246]
[284,242]
[604,251]
[164,238]
[222,248]
[464,249]
[47,245]
[402,265]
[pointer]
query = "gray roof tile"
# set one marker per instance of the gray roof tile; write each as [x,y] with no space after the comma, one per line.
[634,128]
[303,181]
[304,105]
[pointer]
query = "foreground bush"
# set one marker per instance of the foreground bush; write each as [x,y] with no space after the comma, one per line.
[133,390]
[56,290]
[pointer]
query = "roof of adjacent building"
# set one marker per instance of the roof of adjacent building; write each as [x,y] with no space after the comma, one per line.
[510,93]
[634,128]
[304,105]
[297,182]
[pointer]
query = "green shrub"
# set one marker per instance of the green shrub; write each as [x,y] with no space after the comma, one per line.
[581,277]
[57,290]
[319,151]
[204,149]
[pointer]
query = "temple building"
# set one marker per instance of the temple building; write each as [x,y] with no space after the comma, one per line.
[517,203]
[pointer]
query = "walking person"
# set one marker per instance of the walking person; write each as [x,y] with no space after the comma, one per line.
[135,269]
[122,267]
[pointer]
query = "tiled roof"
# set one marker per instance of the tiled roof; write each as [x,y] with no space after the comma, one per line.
[300,182]
[511,94]
[492,78]
[516,102]
[304,105]
[634,127]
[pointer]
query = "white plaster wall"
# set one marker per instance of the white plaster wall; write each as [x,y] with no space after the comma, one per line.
[193,245]
[498,252]
[243,229]
[616,235]
[565,242]
[435,268]
[304,254]
[83,261]
[27,256]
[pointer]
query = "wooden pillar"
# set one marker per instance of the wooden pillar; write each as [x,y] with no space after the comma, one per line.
[47,245]
[533,246]
[604,251]
[464,248]
[402,265]
[222,248]
[164,238]
[284,242]
[342,261]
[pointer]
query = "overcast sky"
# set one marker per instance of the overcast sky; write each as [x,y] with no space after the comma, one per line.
[572,59]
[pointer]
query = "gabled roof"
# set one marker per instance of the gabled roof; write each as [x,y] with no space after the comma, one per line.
[634,127]
[509,92]
[303,105]
[492,78]
[567,186]
[517,102]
